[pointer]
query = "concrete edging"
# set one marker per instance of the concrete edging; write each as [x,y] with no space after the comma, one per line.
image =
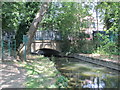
[111,65]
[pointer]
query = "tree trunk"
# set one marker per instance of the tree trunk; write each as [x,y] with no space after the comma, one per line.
[33,28]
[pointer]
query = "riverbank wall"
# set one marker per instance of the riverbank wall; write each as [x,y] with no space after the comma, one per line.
[108,64]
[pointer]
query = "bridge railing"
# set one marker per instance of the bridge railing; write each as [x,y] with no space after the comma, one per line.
[47,35]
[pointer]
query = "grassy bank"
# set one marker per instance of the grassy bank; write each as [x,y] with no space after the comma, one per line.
[41,73]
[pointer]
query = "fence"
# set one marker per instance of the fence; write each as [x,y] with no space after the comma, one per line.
[47,35]
[9,42]
[8,48]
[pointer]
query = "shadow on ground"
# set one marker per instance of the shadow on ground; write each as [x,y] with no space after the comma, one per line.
[13,76]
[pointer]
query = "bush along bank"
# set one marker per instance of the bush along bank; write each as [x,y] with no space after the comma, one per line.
[42,73]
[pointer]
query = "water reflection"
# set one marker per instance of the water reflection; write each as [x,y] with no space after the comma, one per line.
[85,75]
[95,83]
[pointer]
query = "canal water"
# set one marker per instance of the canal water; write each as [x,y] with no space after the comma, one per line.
[82,74]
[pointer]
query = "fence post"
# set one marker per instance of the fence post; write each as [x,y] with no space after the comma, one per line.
[9,48]
[25,40]
[2,44]
[15,55]
[14,46]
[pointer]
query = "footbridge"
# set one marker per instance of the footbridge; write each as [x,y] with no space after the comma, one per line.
[46,39]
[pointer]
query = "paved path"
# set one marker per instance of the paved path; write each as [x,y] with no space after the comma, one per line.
[109,58]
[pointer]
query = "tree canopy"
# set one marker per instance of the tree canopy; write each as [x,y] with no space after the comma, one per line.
[66,17]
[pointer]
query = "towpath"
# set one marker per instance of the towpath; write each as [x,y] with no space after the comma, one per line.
[11,74]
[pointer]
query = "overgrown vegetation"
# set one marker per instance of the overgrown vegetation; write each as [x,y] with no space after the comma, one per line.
[69,19]
[41,73]
[109,44]
[106,46]
[17,17]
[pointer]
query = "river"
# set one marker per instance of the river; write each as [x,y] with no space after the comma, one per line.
[82,74]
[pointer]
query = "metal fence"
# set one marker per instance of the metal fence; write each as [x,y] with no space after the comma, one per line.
[47,35]
[8,48]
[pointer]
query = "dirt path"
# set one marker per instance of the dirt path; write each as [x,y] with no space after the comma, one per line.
[11,75]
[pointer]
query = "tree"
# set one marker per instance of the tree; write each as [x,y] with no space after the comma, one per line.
[27,15]
[66,17]
[33,27]
[70,25]
[110,16]
[12,13]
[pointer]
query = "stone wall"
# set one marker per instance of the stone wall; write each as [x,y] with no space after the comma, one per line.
[108,64]
[51,44]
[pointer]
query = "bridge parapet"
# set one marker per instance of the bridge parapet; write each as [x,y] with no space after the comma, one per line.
[46,39]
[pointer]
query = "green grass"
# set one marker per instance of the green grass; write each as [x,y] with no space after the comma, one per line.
[41,73]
